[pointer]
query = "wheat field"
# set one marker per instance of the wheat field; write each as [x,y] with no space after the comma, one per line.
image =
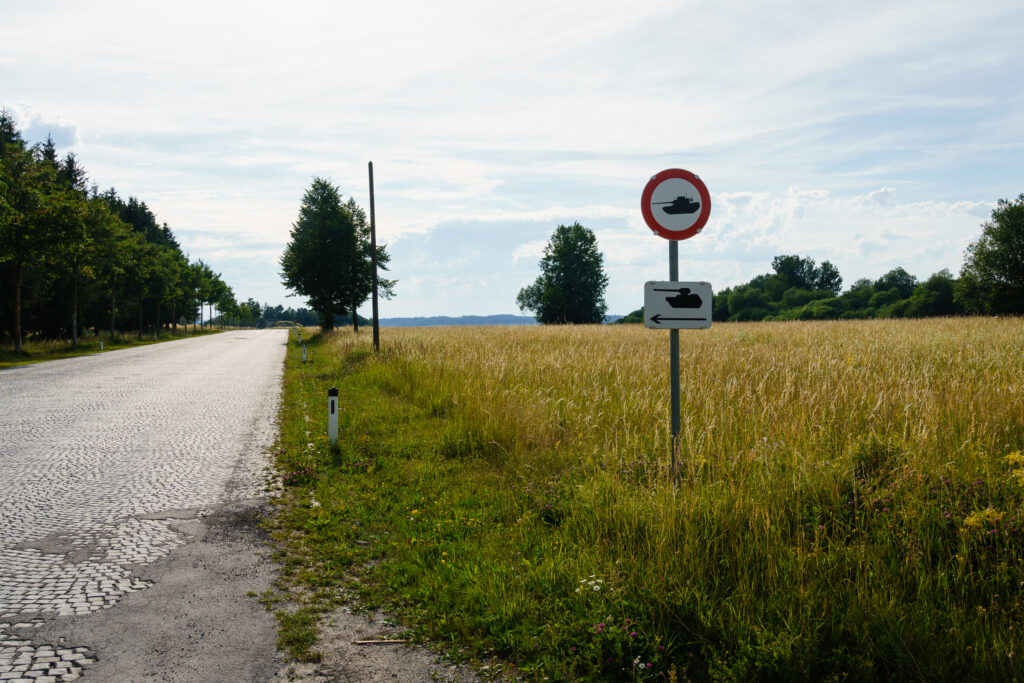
[848,496]
[950,392]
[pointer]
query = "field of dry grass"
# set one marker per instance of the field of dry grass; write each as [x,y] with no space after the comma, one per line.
[849,498]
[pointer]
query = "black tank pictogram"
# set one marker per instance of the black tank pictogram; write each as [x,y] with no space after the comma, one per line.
[679,205]
[684,298]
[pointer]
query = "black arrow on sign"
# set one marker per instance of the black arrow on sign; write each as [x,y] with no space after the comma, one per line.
[657,318]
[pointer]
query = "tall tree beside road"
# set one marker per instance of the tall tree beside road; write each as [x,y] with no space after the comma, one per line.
[992,278]
[328,258]
[322,244]
[26,184]
[571,286]
[72,246]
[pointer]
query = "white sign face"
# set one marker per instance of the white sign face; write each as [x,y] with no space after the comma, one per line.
[677,305]
[676,204]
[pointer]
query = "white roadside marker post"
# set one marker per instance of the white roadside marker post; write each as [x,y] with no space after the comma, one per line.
[101,344]
[303,353]
[300,336]
[332,416]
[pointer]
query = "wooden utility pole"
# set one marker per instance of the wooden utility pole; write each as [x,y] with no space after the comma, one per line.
[373,263]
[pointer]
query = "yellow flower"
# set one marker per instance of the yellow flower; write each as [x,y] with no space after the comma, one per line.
[981,519]
[1015,460]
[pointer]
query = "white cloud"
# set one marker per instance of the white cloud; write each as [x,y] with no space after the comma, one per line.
[531,251]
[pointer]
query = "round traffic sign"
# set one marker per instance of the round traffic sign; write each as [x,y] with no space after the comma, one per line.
[676,204]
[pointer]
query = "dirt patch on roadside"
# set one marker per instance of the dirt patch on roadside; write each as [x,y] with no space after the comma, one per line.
[345,660]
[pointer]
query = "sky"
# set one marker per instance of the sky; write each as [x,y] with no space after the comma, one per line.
[869,134]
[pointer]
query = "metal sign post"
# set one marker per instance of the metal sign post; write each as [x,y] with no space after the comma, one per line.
[676,205]
[373,266]
[673,350]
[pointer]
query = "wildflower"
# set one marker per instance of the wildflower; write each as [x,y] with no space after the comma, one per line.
[632,634]
[985,518]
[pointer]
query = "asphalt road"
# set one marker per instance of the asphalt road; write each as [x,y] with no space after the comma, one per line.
[131,485]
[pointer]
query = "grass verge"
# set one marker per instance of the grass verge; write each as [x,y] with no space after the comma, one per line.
[37,351]
[850,504]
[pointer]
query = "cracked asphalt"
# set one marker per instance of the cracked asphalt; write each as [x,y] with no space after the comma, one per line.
[131,487]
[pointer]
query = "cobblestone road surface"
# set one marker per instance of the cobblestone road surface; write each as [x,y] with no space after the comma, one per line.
[95,451]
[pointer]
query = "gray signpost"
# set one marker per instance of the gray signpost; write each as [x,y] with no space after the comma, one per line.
[676,205]
[373,266]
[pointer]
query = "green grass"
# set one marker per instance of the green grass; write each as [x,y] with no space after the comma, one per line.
[849,505]
[39,350]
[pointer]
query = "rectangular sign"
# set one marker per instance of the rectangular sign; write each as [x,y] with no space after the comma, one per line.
[677,305]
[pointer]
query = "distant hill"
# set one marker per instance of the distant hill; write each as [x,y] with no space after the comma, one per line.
[445,320]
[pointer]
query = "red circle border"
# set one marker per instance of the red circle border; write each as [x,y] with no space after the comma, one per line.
[705,204]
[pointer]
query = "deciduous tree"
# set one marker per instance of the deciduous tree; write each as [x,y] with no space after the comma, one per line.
[571,286]
[992,278]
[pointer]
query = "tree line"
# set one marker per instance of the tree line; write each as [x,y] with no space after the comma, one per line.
[73,258]
[251,314]
[991,282]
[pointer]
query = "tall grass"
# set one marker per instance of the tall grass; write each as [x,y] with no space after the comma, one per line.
[849,498]
[947,390]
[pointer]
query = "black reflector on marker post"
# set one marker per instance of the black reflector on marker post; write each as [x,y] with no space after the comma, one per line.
[332,416]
